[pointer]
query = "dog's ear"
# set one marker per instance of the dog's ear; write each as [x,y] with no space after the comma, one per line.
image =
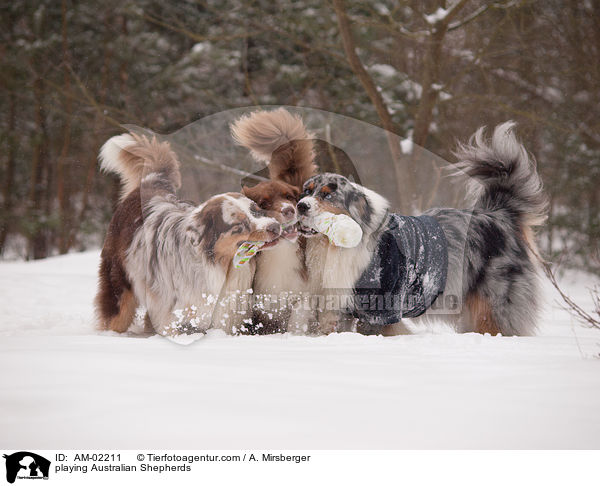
[359,207]
[256,193]
[252,192]
[296,192]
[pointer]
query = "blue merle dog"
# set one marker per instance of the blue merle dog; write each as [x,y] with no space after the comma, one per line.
[480,263]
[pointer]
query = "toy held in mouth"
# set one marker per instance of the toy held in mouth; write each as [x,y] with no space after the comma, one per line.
[341,229]
[246,251]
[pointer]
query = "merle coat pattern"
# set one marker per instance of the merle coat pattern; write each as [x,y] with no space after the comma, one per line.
[492,281]
[172,257]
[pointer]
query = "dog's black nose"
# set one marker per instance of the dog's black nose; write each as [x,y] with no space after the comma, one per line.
[274,228]
[303,207]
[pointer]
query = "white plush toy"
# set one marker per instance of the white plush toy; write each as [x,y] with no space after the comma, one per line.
[341,229]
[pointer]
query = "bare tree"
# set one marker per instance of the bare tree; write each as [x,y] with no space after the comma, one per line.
[402,173]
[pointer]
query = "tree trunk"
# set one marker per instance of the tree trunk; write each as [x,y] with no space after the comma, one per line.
[9,179]
[404,176]
[98,121]
[430,89]
[63,188]
[429,93]
[38,237]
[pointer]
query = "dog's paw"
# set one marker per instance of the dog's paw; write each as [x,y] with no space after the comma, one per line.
[328,327]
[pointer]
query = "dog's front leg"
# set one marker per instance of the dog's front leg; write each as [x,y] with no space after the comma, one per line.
[302,315]
[328,322]
[233,310]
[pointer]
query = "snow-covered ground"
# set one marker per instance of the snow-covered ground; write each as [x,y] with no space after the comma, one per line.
[65,385]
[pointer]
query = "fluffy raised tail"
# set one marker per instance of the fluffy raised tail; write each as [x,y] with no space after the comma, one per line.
[281,140]
[508,175]
[263,132]
[134,157]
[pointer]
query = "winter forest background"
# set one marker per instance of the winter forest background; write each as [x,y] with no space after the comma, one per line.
[72,71]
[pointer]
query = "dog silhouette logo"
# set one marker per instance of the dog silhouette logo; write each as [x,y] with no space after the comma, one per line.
[27,465]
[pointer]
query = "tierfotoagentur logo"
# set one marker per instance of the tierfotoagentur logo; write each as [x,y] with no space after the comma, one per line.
[26,465]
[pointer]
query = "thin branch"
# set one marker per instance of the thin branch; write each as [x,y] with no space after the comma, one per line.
[91,99]
[570,305]
[226,168]
[476,13]
[199,158]
[193,35]
[309,46]
[97,106]
[395,28]
[451,13]
[390,24]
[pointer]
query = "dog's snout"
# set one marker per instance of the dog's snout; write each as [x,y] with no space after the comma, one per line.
[288,212]
[274,228]
[303,207]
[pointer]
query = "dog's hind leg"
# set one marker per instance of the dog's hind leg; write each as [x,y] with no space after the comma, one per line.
[481,315]
[127,307]
[115,302]
[397,329]
[388,330]
[148,326]
[107,297]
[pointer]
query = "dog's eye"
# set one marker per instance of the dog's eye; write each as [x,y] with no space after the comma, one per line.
[256,211]
[237,229]
[328,190]
[291,197]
